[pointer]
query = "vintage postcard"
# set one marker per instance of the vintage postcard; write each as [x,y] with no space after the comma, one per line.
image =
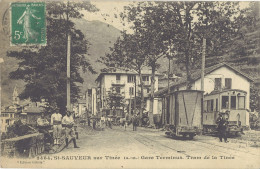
[129,84]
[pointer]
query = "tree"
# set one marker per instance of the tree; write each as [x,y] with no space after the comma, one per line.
[127,53]
[144,18]
[115,99]
[179,27]
[44,68]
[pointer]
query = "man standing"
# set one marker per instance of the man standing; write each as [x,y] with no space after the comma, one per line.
[134,122]
[68,122]
[43,124]
[102,122]
[109,120]
[222,128]
[56,122]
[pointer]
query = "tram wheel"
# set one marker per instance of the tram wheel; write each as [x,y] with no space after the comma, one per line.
[191,136]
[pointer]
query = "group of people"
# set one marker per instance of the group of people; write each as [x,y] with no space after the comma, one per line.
[57,122]
[105,121]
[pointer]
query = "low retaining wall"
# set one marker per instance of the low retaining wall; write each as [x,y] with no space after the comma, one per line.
[23,146]
[31,145]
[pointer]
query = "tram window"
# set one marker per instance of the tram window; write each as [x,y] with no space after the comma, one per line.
[216,104]
[233,102]
[225,102]
[205,106]
[241,102]
[210,105]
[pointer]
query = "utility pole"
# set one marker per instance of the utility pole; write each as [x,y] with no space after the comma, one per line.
[135,97]
[202,77]
[130,103]
[68,73]
[168,94]
[1,61]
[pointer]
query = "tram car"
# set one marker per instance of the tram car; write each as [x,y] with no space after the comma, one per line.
[184,113]
[231,104]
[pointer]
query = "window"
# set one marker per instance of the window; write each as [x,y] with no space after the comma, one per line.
[233,102]
[210,105]
[241,102]
[147,90]
[131,90]
[228,83]
[205,106]
[131,78]
[216,104]
[117,77]
[145,78]
[225,102]
[117,89]
[217,83]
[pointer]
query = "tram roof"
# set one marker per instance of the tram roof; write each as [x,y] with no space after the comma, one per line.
[226,90]
[197,75]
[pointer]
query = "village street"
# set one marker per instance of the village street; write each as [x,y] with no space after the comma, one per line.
[150,147]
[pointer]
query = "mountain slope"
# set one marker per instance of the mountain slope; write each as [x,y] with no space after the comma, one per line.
[100,36]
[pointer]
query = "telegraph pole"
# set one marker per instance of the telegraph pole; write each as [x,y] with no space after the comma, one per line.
[68,73]
[135,97]
[202,77]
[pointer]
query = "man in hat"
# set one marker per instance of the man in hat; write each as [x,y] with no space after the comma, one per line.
[222,127]
[56,118]
[68,122]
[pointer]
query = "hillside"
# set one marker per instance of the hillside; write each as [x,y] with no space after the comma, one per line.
[100,35]
[243,53]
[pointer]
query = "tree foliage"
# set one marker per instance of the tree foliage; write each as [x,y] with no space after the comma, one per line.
[44,68]
[176,30]
[115,100]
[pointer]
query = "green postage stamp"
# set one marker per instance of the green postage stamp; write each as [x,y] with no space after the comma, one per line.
[28,25]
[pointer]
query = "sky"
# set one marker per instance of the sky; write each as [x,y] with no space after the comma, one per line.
[109,8]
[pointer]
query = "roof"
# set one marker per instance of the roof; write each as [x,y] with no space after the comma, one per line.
[34,110]
[197,75]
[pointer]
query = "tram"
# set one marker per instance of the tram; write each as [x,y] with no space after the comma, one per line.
[231,104]
[184,113]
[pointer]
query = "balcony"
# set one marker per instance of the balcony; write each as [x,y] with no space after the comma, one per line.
[146,94]
[118,83]
[146,84]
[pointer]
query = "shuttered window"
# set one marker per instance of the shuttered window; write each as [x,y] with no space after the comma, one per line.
[117,77]
[228,83]
[131,90]
[217,83]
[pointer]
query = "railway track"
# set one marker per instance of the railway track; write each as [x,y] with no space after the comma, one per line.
[145,140]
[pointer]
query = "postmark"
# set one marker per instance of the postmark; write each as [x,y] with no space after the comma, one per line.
[28,25]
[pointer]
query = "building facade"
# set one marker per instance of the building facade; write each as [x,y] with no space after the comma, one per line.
[126,83]
[219,77]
